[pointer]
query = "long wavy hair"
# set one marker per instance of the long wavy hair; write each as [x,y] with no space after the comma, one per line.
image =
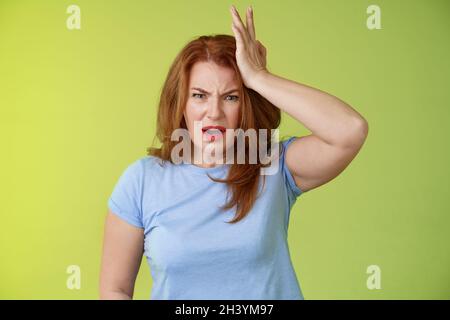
[256,112]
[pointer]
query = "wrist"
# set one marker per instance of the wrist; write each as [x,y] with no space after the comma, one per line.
[259,78]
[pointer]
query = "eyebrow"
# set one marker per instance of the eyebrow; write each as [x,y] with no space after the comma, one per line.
[204,91]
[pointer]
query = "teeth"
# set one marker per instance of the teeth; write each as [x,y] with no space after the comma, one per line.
[214,131]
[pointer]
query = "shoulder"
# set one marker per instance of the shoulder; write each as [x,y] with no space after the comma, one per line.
[146,162]
[151,164]
[295,191]
[151,169]
[281,147]
[285,142]
[142,167]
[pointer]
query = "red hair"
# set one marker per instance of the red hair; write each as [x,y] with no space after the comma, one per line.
[256,112]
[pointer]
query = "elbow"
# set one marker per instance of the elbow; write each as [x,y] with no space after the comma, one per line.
[114,294]
[363,129]
[357,133]
[108,291]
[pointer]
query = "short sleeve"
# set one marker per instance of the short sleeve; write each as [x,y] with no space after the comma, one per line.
[125,200]
[293,190]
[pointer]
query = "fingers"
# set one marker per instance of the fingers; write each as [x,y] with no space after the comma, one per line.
[239,39]
[250,23]
[239,25]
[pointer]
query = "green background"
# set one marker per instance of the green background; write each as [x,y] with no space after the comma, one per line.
[78,106]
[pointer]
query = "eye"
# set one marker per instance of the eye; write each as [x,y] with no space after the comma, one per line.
[197,94]
[234,98]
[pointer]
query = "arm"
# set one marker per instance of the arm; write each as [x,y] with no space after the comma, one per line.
[338,131]
[123,247]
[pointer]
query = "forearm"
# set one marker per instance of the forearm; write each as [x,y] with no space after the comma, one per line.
[325,115]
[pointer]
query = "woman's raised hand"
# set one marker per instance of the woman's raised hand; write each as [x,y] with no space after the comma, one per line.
[250,53]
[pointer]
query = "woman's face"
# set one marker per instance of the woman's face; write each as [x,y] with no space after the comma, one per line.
[213,99]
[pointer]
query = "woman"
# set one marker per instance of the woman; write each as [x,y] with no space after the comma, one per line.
[215,230]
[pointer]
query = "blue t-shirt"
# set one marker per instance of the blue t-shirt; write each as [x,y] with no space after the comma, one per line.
[191,250]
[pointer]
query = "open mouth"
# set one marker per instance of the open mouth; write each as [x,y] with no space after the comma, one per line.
[213,132]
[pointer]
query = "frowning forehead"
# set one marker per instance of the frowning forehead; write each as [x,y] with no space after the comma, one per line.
[199,89]
[212,78]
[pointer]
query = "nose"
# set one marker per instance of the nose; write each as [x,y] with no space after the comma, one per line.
[214,111]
